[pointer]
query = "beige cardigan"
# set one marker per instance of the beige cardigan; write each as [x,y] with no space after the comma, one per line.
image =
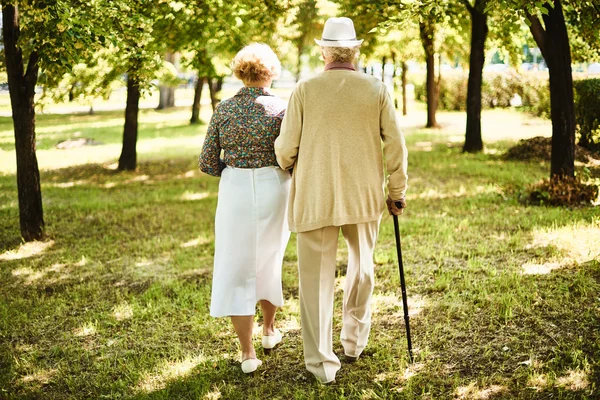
[331,135]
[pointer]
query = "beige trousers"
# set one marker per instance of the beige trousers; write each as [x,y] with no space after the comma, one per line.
[317,263]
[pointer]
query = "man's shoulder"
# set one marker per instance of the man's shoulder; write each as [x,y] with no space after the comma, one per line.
[347,76]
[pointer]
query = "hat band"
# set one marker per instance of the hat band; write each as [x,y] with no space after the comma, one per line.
[337,40]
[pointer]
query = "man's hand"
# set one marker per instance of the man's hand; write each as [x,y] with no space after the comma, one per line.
[393,209]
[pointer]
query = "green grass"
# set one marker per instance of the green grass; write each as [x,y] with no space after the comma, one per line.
[115,303]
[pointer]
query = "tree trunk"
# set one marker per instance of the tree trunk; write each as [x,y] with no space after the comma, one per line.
[212,88]
[479,31]
[383,61]
[427,32]
[22,93]
[128,159]
[404,82]
[197,97]
[554,44]
[166,97]
[166,93]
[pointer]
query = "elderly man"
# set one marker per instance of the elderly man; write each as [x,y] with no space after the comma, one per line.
[331,136]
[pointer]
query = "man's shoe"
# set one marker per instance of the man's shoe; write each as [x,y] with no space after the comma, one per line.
[268,342]
[250,365]
[350,359]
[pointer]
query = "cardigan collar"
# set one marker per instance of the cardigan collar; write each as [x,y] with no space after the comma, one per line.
[339,65]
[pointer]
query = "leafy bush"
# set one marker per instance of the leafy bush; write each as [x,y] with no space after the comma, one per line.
[497,90]
[563,191]
[587,112]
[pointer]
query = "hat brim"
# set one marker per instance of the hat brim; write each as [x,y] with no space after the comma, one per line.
[339,43]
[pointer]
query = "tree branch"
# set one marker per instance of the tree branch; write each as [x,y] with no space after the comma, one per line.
[538,32]
[31,75]
[470,8]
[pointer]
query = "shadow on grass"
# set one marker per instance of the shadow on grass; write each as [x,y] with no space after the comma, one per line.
[140,247]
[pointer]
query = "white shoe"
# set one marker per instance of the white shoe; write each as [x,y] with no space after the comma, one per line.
[268,342]
[251,365]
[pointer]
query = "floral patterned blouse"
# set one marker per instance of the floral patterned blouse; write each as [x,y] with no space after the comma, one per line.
[245,128]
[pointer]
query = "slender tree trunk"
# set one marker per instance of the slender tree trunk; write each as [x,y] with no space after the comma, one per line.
[404,82]
[555,47]
[166,97]
[21,86]
[212,88]
[166,93]
[479,31]
[427,39]
[197,97]
[383,61]
[128,159]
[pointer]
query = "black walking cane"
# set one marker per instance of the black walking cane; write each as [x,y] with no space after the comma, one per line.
[403,283]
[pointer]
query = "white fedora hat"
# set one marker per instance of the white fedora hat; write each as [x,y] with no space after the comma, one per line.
[339,32]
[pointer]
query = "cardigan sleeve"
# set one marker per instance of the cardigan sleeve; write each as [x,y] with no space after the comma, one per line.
[210,159]
[394,148]
[288,142]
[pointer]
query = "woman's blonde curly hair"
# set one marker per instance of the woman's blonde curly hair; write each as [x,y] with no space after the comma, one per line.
[256,63]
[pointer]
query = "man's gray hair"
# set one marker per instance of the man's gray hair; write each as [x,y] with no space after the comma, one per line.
[341,54]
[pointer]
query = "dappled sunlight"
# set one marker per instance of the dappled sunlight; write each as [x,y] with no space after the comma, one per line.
[8,204]
[190,174]
[65,185]
[577,243]
[139,178]
[169,372]
[424,146]
[52,274]
[78,126]
[87,329]
[573,380]
[473,392]
[214,394]
[199,241]
[40,377]
[539,269]
[153,268]
[538,382]
[385,303]
[26,250]
[189,196]
[289,325]
[399,376]
[437,194]
[123,311]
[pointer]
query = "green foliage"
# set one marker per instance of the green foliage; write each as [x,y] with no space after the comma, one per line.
[587,112]
[497,91]
[84,82]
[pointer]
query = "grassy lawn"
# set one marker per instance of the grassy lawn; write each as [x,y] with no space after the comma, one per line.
[504,297]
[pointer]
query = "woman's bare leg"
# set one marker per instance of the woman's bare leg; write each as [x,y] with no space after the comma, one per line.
[268,311]
[243,327]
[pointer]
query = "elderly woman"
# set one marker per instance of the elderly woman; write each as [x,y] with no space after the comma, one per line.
[250,225]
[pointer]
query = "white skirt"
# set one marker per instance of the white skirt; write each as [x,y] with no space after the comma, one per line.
[251,234]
